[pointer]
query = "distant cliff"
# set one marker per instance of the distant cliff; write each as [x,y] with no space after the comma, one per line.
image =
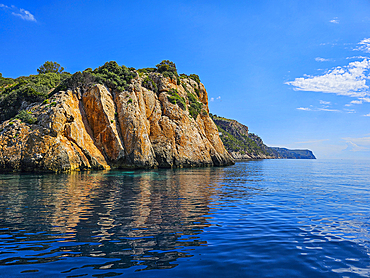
[292,154]
[244,145]
[110,117]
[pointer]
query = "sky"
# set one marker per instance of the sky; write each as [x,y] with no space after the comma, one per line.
[295,72]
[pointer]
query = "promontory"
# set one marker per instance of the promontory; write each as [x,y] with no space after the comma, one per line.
[109,117]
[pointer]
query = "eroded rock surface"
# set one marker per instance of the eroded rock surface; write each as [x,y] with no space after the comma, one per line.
[100,129]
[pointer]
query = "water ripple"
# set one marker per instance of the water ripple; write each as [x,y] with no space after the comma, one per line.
[271,218]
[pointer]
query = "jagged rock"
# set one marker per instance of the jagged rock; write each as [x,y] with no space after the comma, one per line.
[98,128]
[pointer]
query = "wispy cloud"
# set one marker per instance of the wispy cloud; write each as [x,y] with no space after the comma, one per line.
[346,81]
[367,115]
[349,111]
[318,59]
[21,13]
[304,108]
[354,102]
[325,102]
[357,57]
[217,98]
[328,110]
[354,147]
[357,144]
[364,45]
[335,20]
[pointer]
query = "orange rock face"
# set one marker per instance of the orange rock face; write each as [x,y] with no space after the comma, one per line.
[102,129]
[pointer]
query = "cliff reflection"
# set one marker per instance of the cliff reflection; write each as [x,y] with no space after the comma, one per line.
[137,218]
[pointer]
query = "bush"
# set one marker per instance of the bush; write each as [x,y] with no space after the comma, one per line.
[175,98]
[79,79]
[146,71]
[168,69]
[26,116]
[195,107]
[167,66]
[50,67]
[195,77]
[149,84]
[114,76]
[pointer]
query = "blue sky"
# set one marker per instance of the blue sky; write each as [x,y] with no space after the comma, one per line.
[295,72]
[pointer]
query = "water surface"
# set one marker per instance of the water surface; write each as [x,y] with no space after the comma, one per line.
[269,218]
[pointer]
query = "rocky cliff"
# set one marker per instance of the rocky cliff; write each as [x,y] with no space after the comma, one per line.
[152,121]
[292,154]
[239,142]
[244,145]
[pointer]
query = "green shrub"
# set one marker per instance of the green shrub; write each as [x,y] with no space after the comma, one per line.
[46,101]
[175,98]
[166,66]
[130,100]
[195,77]
[195,106]
[149,84]
[168,69]
[29,89]
[50,67]
[146,70]
[26,116]
[114,76]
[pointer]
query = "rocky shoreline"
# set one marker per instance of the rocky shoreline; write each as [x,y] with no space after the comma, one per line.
[101,128]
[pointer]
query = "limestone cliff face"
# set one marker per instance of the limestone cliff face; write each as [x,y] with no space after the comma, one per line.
[98,128]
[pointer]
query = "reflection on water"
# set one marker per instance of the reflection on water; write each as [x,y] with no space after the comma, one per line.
[136,218]
[272,218]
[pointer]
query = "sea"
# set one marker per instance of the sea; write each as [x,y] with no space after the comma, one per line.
[265,218]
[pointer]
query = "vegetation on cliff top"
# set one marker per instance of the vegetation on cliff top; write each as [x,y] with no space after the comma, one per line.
[236,138]
[17,93]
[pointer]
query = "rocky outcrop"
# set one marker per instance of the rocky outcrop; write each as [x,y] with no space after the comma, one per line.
[239,142]
[99,128]
[292,154]
[244,145]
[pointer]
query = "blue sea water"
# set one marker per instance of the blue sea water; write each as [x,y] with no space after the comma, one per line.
[268,218]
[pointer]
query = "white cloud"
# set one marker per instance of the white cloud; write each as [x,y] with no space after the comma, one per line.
[357,57]
[212,99]
[350,111]
[25,15]
[324,102]
[218,97]
[364,45]
[365,99]
[334,20]
[328,110]
[22,13]
[346,81]
[354,102]
[367,115]
[304,109]
[318,59]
